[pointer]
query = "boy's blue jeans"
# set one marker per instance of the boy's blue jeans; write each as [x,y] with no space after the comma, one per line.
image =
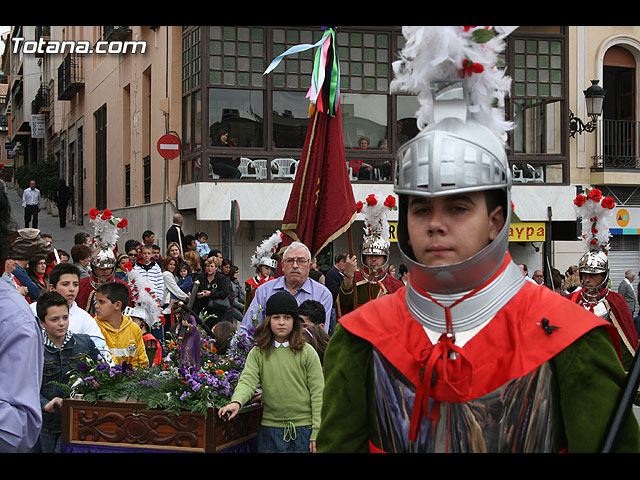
[284,439]
[48,442]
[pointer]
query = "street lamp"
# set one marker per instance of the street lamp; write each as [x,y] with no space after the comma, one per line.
[594,97]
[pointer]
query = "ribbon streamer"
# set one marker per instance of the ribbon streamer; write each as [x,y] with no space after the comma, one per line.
[319,69]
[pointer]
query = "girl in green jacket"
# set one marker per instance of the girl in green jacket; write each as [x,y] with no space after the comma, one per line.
[290,373]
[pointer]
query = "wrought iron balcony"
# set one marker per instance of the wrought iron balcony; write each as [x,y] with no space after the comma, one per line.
[40,103]
[111,34]
[619,145]
[70,79]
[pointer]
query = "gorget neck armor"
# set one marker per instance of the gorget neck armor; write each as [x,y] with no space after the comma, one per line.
[472,311]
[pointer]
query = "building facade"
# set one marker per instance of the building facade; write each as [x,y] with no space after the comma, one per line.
[205,83]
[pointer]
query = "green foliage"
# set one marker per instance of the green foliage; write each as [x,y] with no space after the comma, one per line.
[45,173]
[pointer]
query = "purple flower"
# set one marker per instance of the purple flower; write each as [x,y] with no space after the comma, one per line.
[101,367]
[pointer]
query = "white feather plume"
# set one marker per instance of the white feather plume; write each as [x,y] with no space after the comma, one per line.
[596,213]
[439,53]
[144,297]
[105,230]
[375,210]
[267,248]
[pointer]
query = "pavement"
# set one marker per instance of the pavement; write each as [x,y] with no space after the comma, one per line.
[47,223]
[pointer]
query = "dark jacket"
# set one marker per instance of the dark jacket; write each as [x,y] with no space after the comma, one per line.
[220,289]
[58,366]
[63,193]
[175,234]
[333,280]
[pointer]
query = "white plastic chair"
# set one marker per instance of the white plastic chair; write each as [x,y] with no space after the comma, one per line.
[245,163]
[261,168]
[537,173]
[283,167]
[517,175]
[211,174]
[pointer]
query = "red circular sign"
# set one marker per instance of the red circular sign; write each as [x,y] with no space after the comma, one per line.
[169,146]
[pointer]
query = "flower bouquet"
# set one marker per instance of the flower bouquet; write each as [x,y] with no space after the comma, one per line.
[173,385]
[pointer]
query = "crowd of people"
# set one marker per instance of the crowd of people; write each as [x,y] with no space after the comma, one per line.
[84,307]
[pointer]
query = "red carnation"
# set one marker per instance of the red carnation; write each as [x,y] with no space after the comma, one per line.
[93,213]
[579,200]
[359,206]
[106,215]
[593,241]
[594,230]
[372,200]
[595,195]
[122,223]
[469,67]
[128,266]
[608,202]
[390,202]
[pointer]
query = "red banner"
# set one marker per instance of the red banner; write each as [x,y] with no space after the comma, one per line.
[321,206]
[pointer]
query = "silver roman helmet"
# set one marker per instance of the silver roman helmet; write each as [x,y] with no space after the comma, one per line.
[454,155]
[594,262]
[374,245]
[269,262]
[454,73]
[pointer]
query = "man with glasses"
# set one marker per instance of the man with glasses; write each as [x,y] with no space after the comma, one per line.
[538,277]
[296,264]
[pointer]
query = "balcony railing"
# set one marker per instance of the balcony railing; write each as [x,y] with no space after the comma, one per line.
[41,101]
[70,79]
[619,145]
[111,34]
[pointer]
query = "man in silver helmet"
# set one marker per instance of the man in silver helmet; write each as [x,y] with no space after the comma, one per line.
[371,281]
[469,357]
[103,270]
[596,296]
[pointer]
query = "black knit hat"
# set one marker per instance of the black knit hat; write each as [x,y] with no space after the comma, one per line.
[282,302]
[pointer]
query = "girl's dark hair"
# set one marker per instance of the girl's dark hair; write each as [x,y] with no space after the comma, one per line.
[223,332]
[264,336]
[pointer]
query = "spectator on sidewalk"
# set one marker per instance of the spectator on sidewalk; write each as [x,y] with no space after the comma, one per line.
[31,201]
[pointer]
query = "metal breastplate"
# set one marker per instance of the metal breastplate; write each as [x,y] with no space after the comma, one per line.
[515,418]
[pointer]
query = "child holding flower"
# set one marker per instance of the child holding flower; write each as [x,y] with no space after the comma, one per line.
[290,373]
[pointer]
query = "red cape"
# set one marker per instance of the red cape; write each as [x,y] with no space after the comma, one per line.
[622,315]
[510,346]
[86,292]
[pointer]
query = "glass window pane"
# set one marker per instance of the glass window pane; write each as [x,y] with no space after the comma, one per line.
[290,119]
[538,126]
[406,126]
[238,111]
[364,115]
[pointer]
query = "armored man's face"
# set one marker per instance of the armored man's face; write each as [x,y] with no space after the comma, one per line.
[449,229]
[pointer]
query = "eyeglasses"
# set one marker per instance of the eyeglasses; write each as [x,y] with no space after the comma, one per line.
[299,261]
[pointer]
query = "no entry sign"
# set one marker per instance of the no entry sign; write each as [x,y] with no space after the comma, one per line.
[169,146]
